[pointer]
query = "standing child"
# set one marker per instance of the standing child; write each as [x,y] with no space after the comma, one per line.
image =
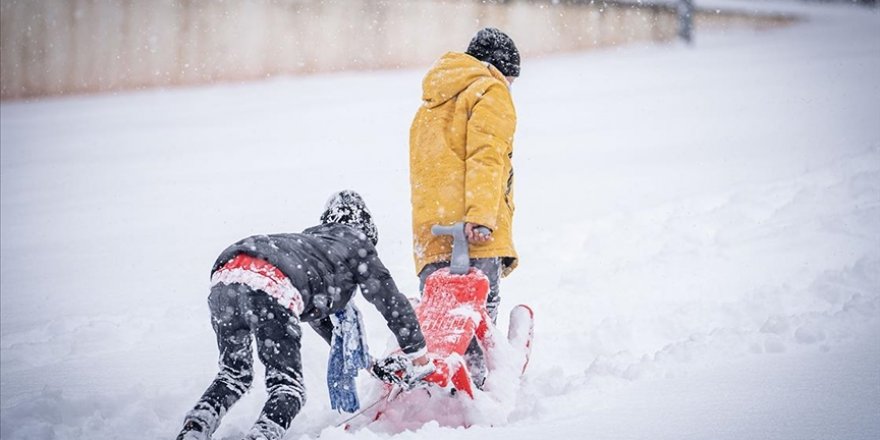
[461,163]
[263,286]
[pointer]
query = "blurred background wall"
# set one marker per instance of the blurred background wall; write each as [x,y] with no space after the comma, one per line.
[52,47]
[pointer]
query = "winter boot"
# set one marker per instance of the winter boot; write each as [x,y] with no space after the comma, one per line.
[193,431]
[265,429]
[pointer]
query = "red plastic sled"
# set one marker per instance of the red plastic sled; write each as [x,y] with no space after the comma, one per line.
[451,313]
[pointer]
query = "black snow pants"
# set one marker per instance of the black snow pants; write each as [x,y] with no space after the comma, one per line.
[238,314]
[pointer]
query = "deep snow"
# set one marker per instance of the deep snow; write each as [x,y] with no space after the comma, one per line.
[699,231]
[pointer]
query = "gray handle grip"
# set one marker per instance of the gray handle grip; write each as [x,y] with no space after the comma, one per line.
[461,262]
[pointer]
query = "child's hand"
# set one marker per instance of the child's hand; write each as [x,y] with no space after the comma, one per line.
[401,370]
[421,368]
[477,233]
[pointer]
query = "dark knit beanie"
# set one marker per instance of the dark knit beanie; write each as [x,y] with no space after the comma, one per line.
[348,208]
[497,48]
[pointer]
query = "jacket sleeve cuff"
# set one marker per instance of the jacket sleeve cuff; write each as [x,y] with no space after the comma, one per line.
[417,353]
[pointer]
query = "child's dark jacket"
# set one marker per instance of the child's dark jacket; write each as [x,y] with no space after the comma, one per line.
[326,264]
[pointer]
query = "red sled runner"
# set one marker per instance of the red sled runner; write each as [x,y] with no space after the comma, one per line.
[451,313]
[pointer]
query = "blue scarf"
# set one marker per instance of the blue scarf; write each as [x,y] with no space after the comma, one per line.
[348,353]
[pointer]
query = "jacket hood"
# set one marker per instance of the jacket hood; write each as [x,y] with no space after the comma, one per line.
[453,73]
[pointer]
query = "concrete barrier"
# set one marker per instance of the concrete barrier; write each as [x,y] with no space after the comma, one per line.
[53,47]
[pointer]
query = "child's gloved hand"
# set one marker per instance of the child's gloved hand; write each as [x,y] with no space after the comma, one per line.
[386,369]
[403,370]
[420,368]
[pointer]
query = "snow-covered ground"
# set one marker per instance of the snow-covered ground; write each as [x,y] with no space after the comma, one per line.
[699,231]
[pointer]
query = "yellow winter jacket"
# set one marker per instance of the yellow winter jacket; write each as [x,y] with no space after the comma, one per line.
[461,145]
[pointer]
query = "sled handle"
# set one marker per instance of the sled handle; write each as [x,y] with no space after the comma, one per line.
[461,261]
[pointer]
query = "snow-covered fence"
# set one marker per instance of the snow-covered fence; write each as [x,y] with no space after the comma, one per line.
[52,47]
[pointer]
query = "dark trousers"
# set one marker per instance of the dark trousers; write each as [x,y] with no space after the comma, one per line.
[491,267]
[238,314]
